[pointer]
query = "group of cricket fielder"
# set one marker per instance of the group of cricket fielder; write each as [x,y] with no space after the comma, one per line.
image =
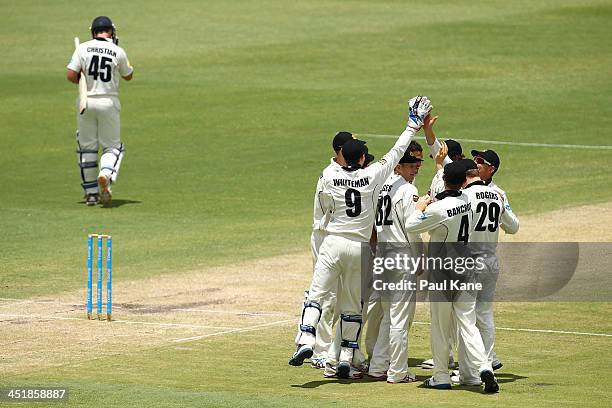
[364,204]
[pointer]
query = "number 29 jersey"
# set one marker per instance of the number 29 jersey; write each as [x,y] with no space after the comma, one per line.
[491,211]
[103,63]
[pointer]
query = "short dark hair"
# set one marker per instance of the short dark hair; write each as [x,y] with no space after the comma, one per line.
[415,146]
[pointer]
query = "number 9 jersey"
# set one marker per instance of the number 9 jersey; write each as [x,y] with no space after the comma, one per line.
[103,63]
[351,194]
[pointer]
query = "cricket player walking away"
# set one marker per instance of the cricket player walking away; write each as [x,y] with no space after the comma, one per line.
[450,220]
[102,62]
[396,202]
[350,194]
[492,211]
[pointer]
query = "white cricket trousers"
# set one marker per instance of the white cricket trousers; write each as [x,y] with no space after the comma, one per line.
[372,320]
[328,307]
[472,358]
[484,305]
[339,260]
[100,124]
[390,353]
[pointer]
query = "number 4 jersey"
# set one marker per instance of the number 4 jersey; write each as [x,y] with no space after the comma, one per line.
[447,220]
[103,63]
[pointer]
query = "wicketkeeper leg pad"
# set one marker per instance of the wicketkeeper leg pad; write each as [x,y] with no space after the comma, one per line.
[310,318]
[350,327]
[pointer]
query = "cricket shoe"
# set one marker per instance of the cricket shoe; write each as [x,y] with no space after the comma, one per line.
[363,367]
[92,199]
[318,363]
[377,376]
[456,379]
[497,365]
[410,377]
[490,382]
[431,383]
[429,364]
[344,370]
[303,352]
[106,195]
[330,371]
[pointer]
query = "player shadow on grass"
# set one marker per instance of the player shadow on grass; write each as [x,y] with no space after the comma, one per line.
[502,378]
[415,362]
[117,203]
[334,380]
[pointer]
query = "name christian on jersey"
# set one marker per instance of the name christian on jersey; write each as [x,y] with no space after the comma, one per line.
[102,51]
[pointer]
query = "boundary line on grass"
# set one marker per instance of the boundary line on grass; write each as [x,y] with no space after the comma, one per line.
[236,312]
[502,142]
[136,322]
[244,329]
[538,330]
[13,301]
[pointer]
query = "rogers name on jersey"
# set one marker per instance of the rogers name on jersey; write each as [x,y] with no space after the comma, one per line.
[484,195]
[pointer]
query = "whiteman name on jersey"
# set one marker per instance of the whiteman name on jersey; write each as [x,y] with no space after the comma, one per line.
[352,183]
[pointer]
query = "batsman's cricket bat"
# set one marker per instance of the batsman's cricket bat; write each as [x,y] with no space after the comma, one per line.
[82,85]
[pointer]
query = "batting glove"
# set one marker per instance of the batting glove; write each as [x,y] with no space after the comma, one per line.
[418,108]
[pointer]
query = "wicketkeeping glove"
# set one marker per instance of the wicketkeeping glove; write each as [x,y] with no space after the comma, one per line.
[418,108]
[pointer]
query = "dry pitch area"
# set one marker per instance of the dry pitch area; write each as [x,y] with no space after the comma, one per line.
[181,308]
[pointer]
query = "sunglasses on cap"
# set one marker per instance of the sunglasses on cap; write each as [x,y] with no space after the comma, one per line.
[481,160]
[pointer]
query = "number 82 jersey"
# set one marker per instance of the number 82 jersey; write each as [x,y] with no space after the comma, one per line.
[395,204]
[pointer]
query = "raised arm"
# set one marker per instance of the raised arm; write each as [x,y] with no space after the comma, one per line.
[432,141]
[418,108]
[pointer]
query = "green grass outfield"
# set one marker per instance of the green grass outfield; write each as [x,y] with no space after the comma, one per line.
[201,374]
[228,123]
